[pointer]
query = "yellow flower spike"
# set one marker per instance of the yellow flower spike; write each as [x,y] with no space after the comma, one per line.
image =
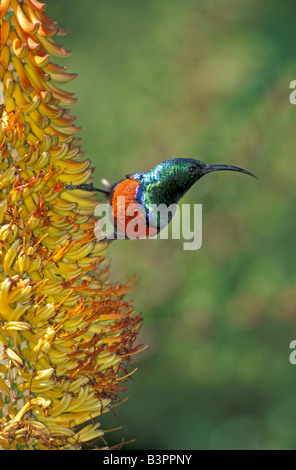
[67,335]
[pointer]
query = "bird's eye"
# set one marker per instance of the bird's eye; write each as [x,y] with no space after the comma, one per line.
[192,169]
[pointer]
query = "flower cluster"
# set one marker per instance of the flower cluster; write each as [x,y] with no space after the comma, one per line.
[66,333]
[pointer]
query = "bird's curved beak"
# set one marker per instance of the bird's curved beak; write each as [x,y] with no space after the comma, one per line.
[208,168]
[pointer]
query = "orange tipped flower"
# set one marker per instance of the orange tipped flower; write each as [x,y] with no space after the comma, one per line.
[66,334]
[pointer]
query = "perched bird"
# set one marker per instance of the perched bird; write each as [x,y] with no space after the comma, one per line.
[165,184]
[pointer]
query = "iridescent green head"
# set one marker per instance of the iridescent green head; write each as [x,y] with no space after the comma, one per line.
[169,181]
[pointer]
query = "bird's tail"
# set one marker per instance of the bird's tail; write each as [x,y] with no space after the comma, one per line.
[88,187]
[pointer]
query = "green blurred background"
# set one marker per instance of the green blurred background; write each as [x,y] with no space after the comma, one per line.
[209,80]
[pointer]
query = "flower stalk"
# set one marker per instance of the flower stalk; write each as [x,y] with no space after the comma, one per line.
[66,333]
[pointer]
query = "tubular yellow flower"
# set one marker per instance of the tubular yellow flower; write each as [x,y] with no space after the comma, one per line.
[66,334]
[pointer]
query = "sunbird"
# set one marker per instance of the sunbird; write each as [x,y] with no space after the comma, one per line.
[165,184]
